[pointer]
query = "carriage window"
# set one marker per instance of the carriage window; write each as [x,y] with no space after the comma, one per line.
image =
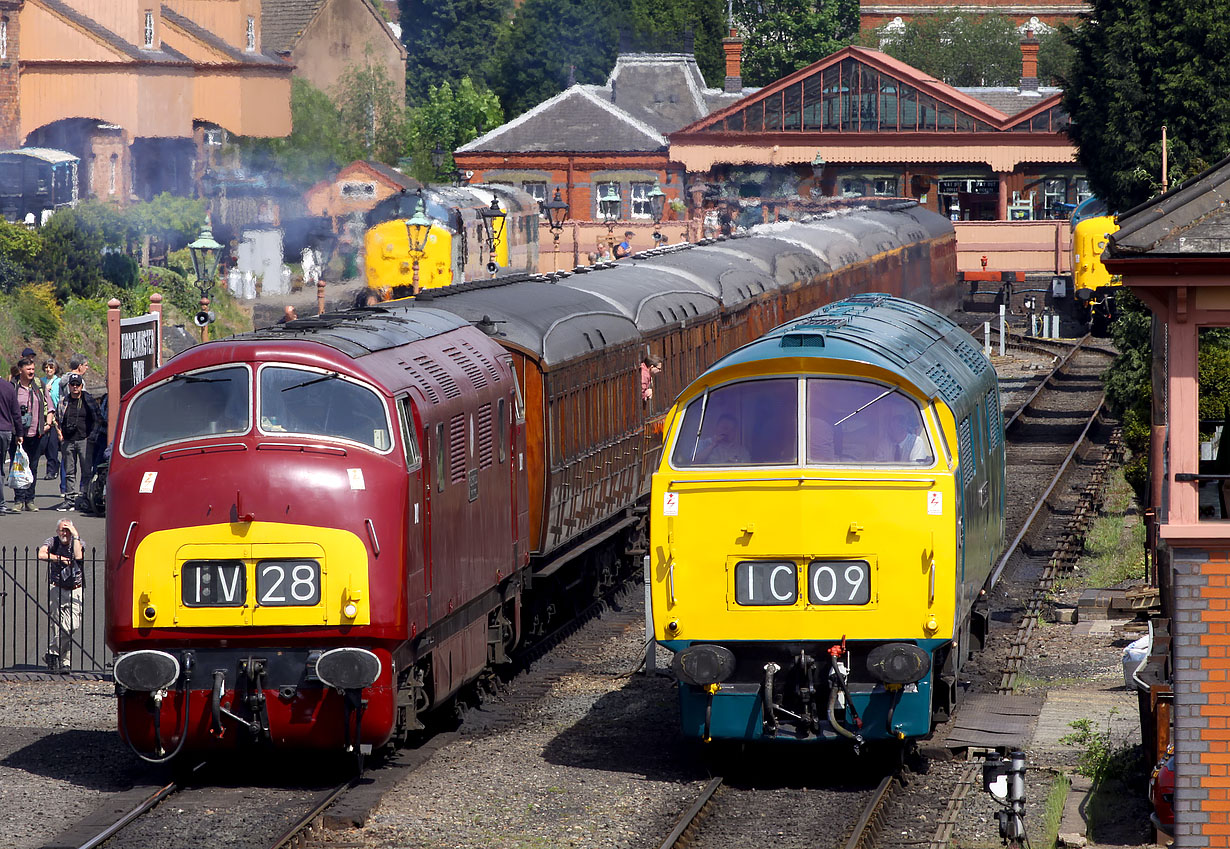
[440,457]
[850,421]
[322,403]
[502,415]
[408,436]
[742,424]
[189,406]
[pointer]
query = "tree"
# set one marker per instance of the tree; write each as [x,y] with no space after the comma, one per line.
[73,243]
[373,117]
[449,39]
[449,119]
[781,36]
[656,27]
[1139,65]
[548,41]
[315,147]
[960,50]
[174,219]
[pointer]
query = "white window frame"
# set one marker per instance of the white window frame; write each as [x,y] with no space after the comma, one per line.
[251,34]
[537,189]
[638,197]
[4,38]
[149,29]
[115,169]
[600,188]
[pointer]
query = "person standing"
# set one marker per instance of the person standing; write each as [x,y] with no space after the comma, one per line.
[64,555]
[80,420]
[10,423]
[36,417]
[51,445]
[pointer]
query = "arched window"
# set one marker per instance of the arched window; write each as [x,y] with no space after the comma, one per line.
[115,171]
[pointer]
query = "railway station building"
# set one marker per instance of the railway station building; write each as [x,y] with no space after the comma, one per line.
[1172,252]
[139,92]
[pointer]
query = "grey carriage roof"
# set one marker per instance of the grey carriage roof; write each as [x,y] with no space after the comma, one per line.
[550,322]
[653,296]
[357,333]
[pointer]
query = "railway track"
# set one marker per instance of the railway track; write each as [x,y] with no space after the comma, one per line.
[1060,452]
[784,814]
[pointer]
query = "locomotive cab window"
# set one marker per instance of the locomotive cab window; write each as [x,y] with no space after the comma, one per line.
[192,405]
[405,411]
[857,422]
[322,403]
[741,424]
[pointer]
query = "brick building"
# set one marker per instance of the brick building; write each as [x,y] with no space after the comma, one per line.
[321,38]
[137,91]
[591,139]
[1172,252]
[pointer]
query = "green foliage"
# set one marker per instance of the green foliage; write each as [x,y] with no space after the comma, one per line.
[547,38]
[1100,758]
[373,117]
[315,146]
[448,40]
[37,312]
[657,27]
[73,242]
[1055,56]
[450,119]
[961,50]
[1140,65]
[173,219]
[20,244]
[119,269]
[781,36]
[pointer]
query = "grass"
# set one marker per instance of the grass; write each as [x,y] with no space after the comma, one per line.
[1052,809]
[1115,544]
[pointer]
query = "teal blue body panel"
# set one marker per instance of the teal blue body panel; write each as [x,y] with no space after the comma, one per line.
[737,712]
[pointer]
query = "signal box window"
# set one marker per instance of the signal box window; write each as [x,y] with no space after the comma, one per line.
[741,424]
[854,422]
[189,406]
[298,401]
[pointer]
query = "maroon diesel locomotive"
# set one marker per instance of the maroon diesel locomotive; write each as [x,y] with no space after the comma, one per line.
[286,561]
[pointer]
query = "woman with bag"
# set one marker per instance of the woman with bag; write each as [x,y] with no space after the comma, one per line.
[10,421]
[36,417]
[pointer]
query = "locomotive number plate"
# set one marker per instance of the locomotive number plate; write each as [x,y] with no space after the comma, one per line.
[287,583]
[838,582]
[766,582]
[214,583]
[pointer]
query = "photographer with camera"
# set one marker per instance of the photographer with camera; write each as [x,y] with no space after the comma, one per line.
[64,555]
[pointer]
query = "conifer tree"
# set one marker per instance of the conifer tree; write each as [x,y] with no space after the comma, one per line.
[1142,64]
[448,40]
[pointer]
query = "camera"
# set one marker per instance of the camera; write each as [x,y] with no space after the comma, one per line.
[24,409]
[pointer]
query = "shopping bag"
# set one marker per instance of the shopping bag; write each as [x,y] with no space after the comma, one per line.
[20,475]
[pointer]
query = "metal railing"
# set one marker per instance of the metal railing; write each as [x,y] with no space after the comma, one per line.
[25,617]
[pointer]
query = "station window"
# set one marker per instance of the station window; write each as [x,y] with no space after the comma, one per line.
[1054,194]
[251,34]
[602,190]
[537,190]
[4,38]
[640,200]
[149,29]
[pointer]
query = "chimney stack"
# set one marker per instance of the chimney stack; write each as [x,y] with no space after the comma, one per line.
[733,47]
[1029,62]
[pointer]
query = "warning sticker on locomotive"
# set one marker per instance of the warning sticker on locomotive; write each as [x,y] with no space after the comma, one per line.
[147,481]
[670,504]
[935,504]
[356,478]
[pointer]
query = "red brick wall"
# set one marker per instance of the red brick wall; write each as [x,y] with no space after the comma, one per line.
[10,104]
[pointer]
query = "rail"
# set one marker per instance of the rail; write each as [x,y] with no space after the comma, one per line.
[869,825]
[692,815]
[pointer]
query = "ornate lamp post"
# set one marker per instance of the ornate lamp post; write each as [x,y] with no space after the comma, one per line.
[557,211]
[657,206]
[608,207]
[437,160]
[418,226]
[205,252]
[493,225]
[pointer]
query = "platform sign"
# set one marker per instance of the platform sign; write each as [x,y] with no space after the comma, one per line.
[139,349]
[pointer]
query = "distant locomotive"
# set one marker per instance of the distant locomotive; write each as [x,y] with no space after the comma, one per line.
[1093,285]
[457,247]
[318,532]
[828,510]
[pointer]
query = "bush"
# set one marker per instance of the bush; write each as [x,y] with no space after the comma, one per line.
[37,312]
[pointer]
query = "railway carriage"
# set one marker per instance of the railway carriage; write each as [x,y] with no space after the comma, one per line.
[825,518]
[501,471]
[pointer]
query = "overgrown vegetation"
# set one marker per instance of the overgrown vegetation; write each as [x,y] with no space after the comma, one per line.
[1114,767]
[1052,809]
[1115,544]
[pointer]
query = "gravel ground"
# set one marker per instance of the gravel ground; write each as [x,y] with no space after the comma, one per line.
[60,756]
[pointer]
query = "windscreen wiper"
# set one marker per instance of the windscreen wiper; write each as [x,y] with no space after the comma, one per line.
[330,376]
